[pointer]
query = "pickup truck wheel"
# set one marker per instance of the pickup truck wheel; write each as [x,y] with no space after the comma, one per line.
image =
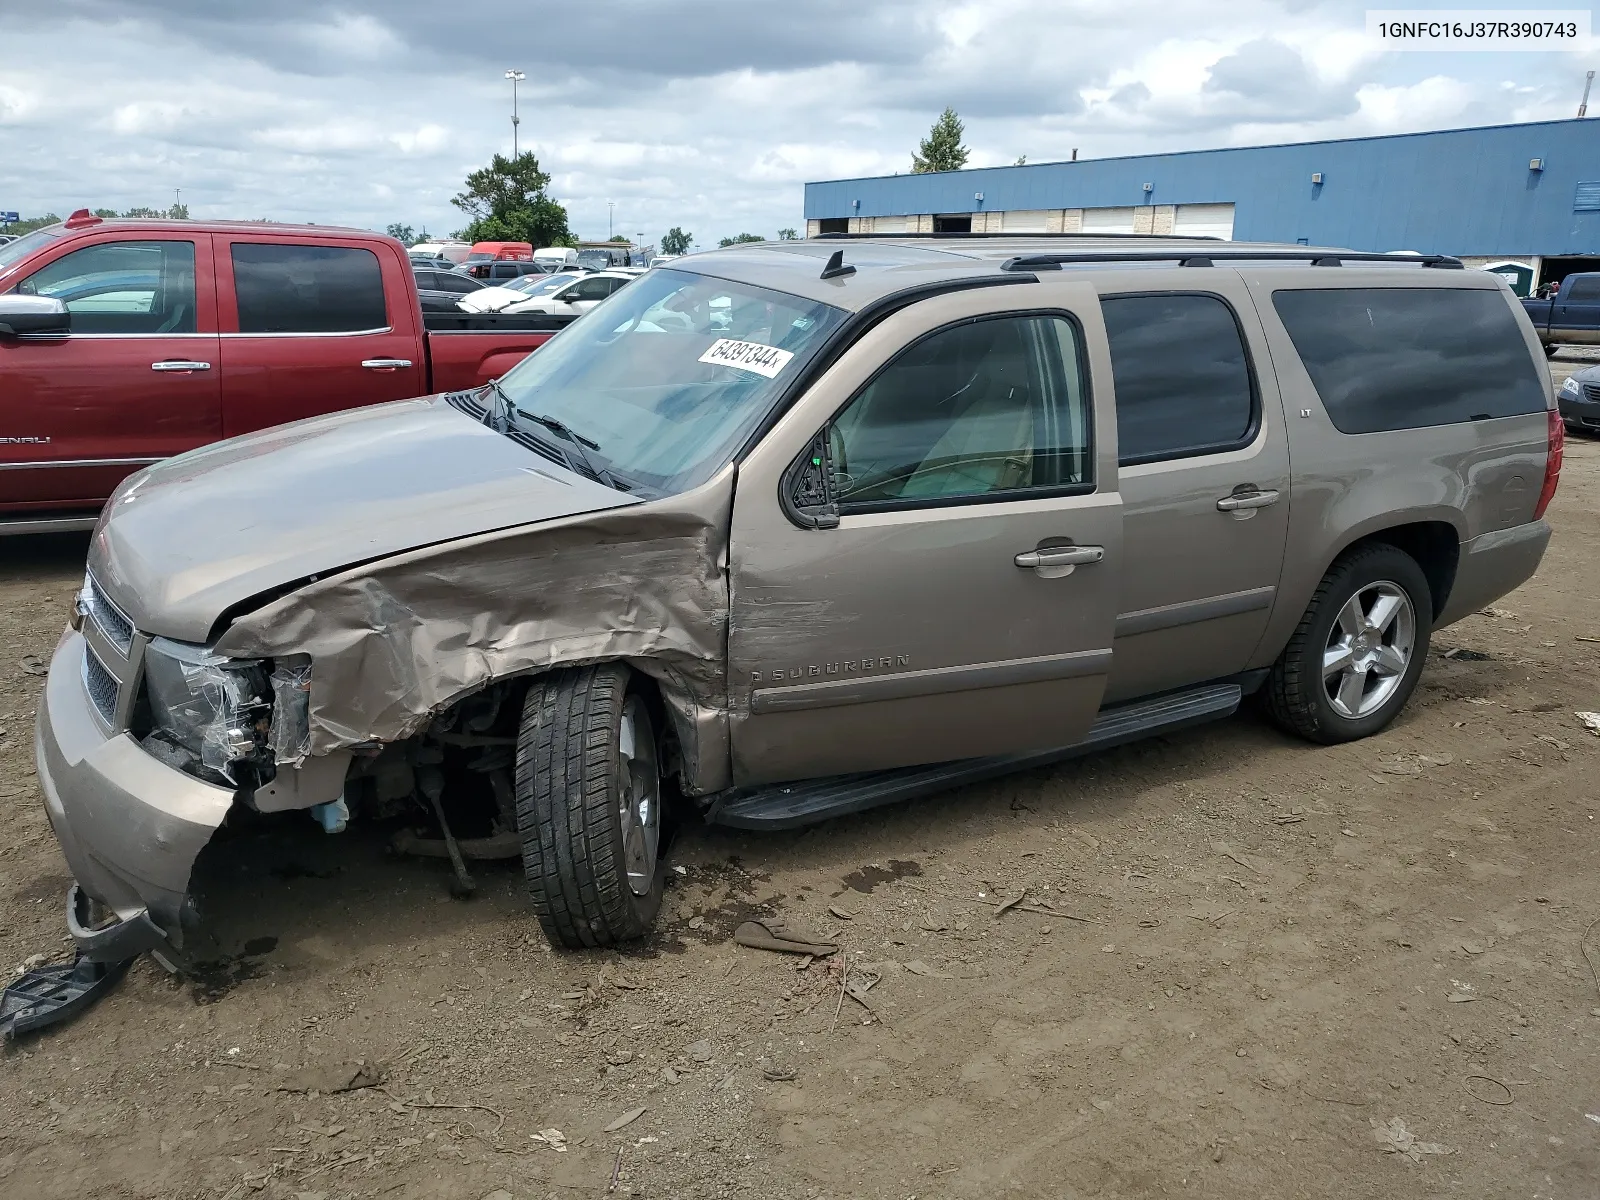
[589,806]
[1356,655]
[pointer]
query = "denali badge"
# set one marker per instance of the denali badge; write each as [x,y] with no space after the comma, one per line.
[24,441]
[851,666]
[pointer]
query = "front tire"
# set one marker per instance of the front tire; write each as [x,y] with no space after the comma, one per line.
[589,806]
[1357,654]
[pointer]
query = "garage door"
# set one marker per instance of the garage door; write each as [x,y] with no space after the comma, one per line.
[888,224]
[1108,220]
[1204,220]
[1025,220]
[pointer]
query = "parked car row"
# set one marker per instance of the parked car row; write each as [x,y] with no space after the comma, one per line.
[123,342]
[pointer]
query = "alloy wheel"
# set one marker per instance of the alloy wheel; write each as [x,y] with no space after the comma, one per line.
[1369,649]
[639,795]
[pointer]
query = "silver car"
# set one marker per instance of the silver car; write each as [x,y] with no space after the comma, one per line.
[785,531]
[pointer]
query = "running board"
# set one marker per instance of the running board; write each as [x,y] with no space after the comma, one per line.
[791,805]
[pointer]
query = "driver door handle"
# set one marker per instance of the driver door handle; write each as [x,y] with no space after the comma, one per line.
[178,364]
[1241,501]
[1053,562]
[385,364]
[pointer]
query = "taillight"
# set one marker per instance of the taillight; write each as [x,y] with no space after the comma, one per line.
[1557,442]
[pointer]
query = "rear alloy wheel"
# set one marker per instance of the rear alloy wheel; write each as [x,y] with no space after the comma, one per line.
[1358,652]
[589,806]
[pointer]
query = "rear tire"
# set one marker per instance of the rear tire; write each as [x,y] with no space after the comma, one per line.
[589,806]
[1357,654]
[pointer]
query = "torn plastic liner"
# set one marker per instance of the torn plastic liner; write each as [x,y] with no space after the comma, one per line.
[395,641]
[49,995]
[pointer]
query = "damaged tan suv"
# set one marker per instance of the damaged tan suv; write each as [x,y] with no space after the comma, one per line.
[786,531]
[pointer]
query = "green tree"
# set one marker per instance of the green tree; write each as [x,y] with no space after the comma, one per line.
[617,237]
[941,150]
[741,239]
[676,241]
[507,202]
[788,235]
[29,224]
[403,234]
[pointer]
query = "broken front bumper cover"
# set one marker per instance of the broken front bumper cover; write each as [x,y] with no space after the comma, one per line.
[130,826]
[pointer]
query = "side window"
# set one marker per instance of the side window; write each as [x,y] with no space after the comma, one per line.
[981,409]
[589,289]
[1407,358]
[307,289]
[1585,290]
[122,287]
[1182,376]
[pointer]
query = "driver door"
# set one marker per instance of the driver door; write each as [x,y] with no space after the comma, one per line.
[964,603]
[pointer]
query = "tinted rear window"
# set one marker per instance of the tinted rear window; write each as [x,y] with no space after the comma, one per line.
[307,289]
[1183,381]
[1585,290]
[1404,358]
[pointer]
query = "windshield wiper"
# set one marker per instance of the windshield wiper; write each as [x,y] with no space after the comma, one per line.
[504,408]
[577,442]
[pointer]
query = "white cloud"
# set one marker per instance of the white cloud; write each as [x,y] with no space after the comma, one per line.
[706,115]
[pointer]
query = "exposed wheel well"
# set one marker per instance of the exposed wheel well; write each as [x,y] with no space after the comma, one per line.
[1433,544]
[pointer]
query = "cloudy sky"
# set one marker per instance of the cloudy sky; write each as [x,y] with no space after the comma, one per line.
[709,114]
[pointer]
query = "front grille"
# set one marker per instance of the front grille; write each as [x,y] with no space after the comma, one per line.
[101,685]
[1591,391]
[113,622]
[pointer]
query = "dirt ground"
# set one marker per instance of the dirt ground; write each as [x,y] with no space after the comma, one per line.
[1244,967]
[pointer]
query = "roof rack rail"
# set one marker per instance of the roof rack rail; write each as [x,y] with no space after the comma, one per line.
[1210,258]
[956,237]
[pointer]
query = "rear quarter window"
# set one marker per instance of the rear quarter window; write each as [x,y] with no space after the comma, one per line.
[1407,358]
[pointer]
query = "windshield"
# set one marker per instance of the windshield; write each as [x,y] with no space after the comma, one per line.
[540,285]
[670,374]
[14,252]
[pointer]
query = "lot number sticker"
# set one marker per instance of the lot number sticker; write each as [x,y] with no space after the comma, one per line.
[747,356]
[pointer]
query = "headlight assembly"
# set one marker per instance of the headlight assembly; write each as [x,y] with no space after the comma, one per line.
[1571,386]
[208,714]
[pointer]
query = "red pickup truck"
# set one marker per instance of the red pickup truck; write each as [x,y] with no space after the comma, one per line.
[126,341]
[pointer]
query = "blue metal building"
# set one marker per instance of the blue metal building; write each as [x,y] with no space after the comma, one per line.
[1529,193]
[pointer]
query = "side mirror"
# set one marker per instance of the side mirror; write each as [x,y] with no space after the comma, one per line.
[33,316]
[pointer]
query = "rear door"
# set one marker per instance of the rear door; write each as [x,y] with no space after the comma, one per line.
[137,380]
[964,604]
[312,326]
[1204,476]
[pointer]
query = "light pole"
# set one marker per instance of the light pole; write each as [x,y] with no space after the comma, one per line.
[611,218]
[516,77]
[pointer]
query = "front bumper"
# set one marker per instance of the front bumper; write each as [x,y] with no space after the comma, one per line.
[1579,412]
[130,826]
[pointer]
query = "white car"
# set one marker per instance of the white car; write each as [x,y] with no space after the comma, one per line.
[579,296]
[499,298]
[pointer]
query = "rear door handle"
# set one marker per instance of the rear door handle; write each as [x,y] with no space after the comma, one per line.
[385,364]
[1054,562]
[1244,501]
[179,364]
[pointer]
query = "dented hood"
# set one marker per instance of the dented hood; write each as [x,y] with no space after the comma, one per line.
[189,538]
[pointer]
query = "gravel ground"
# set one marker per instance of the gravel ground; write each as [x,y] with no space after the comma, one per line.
[1244,966]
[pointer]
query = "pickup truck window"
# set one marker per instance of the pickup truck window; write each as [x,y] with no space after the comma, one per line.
[1407,358]
[307,289]
[122,287]
[983,409]
[671,373]
[1183,377]
[1584,290]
